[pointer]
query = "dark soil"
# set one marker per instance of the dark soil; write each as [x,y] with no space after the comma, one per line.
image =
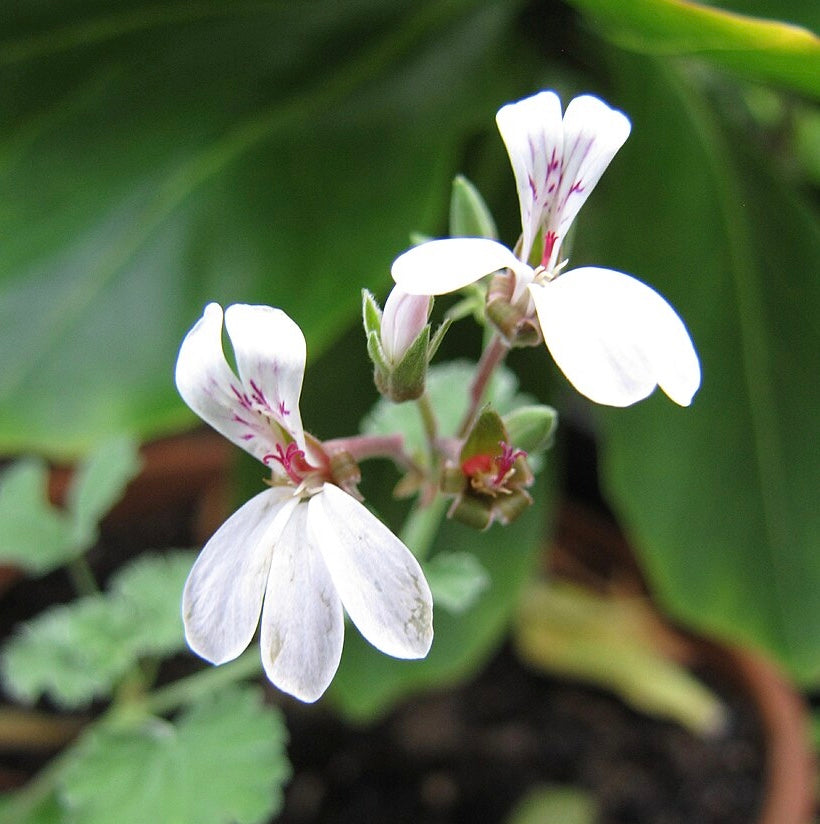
[469,755]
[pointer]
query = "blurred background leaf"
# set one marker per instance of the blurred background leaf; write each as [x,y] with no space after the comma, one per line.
[768,50]
[153,158]
[719,497]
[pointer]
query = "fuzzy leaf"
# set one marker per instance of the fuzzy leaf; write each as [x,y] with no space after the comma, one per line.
[100,482]
[221,762]
[456,579]
[150,589]
[71,653]
[33,534]
[79,651]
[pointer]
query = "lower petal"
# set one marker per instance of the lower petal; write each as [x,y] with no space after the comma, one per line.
[615,338]
[224,591]
[380,583]
[302,620]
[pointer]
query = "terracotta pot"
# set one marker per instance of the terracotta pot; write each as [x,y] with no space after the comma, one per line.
[589,549]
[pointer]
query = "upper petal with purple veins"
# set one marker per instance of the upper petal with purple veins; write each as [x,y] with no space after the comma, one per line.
[556,161]
[533,134]
[270,356]
[210,388]
[593,133]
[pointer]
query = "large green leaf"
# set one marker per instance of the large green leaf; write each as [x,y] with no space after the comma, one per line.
[721,497]
[762,49]
[156,157]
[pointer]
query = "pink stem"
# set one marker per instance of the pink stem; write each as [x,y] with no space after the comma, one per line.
[492,357]
[362,447]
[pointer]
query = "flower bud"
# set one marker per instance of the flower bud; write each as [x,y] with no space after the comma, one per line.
[399,343]
[403,320]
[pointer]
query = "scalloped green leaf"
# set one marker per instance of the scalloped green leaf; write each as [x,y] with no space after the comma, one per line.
[34,535]
[40,537]
[71,653]
[150,591]
[79,651]
[456,580]
[222,761]
[100,482]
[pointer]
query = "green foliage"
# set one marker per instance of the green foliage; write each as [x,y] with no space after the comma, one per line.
[561,805]
[156,157]
[33,534]
[766,50]
[456,579]
[79,651]
[99,483]
[721,497]
[40,537]
[469,214]
[222,761]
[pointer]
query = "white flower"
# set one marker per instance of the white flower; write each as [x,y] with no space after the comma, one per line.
[613,337]
[294,555]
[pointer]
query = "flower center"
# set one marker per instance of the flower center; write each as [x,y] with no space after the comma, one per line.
[489,474]
[293,462]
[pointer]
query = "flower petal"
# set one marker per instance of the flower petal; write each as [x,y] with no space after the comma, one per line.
[223,593]
[302,620]
[615,338]
[207,384]
[593,133]
[533,134]
[403,319]
[270,356]
[441,266]
[380,583]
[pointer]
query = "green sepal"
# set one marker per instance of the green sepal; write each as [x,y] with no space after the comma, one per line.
[469,214]
[438,337]
[376,353]
[507,508]
[406,380]
[485,437]
[531,428]
[471,511]
[371,314]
